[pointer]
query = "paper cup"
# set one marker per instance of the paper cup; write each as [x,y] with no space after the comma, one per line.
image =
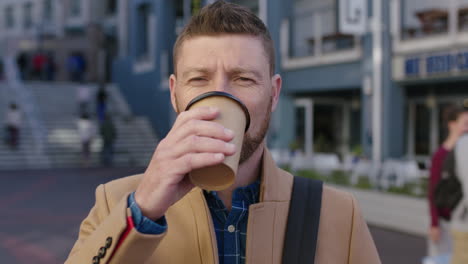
[233,115]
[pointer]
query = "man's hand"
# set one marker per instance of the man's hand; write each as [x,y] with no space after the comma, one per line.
[194,142]
[434,233]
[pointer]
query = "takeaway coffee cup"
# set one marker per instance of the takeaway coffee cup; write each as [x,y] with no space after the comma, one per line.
[233,115]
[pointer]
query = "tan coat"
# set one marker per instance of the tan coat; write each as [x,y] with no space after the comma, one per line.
[343,235]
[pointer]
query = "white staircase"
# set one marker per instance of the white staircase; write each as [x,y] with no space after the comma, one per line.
[58,109]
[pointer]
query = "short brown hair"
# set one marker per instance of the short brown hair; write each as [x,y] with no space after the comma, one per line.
[453,112]
[226,18]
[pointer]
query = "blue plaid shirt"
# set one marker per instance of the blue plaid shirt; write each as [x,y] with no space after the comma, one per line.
[230,227]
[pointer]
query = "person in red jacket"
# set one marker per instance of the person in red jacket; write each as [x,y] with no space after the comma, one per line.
[439,235]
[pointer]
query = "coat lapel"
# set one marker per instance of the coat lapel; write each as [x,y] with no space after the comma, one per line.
[205,228]
[268,218]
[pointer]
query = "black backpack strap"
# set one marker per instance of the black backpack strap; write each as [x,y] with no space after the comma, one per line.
[300,242]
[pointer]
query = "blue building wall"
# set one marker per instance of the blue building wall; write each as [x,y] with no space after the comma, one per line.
[146,96]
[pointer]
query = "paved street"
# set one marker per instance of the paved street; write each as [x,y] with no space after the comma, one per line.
[42,210]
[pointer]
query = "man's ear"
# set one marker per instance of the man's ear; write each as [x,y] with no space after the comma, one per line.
[276,83]
[172,88]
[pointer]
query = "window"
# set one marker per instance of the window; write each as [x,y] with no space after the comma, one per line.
[27,23]
[422,127]
[143,43]
[314,29]
[424,18]
[48,11]
[463,15]
[252,5]
[111,7]
[75,8]
[9,17]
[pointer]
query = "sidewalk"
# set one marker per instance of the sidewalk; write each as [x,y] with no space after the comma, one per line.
[395,212]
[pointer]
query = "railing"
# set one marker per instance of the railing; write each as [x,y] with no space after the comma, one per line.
[23,97]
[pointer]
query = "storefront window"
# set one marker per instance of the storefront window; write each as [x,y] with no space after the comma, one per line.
[299,141]
[328,121]
[422,130]
[421,18]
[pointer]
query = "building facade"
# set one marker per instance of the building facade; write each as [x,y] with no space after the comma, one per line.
[61,28]
[379,94]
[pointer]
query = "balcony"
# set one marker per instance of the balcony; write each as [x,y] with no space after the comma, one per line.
[312,37]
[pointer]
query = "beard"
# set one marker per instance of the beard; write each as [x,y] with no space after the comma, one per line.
[251,141]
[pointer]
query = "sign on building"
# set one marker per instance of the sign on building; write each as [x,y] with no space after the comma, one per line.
[352,16]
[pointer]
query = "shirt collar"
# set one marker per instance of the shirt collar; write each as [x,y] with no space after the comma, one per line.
[243,195]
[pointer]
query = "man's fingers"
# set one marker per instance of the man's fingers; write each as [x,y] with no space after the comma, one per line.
[204,129]
[199,113]
[193,161]
[199,144]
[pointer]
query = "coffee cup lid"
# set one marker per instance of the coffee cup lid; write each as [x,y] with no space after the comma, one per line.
[227,95]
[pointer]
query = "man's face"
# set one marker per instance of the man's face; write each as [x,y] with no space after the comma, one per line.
[236,64]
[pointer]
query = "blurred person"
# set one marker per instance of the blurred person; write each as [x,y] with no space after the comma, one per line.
[459,220]
[13,124]
[49,68]
[160,217]
[440,242]
[2,70]
[83,96]
[39,61]
[101,103]
[109,135]
[22,62]
[86,131]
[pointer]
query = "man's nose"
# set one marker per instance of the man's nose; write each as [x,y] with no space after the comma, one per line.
[221,84]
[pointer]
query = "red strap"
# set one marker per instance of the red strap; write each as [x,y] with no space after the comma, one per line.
[130,226]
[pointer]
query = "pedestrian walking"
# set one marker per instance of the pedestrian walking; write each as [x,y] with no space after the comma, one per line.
[101,103]
[86,131]
[440,242]
[109,135]
[459,220]
[12,127]
[83,97]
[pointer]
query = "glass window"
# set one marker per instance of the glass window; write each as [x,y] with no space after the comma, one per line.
[299,141]
[328,125]
[424,18]
[27,23]
[250,4]
[463,15]
[75,8]
[111,7]
[143,31]
[422,128]
[48,11]
[9,17]
[314,28]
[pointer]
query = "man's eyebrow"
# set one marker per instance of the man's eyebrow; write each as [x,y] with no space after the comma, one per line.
[239,70]
[195,70]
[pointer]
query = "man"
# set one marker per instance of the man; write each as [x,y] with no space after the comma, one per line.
[439,234]
[160,217]
[459,220]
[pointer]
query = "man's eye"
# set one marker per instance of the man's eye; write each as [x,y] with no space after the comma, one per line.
[245,80]
[197,79]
